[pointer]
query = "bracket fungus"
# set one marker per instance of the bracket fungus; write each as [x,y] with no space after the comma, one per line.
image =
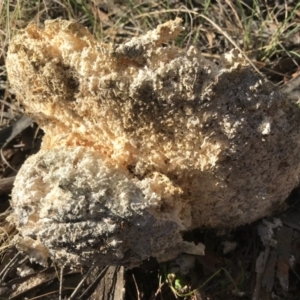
[143,142]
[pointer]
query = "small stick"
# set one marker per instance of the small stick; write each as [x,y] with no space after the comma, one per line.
[91,285]
[137,288]
[6,184]
[291,85]
[81,283]
[61,282]
[5,270]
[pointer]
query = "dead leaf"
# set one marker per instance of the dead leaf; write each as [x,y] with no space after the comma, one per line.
[284,239]
[210,38]
[269,274]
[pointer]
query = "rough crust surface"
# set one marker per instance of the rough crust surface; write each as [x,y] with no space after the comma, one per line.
[193,143]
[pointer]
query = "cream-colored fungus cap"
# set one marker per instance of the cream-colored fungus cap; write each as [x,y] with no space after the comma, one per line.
[143,141]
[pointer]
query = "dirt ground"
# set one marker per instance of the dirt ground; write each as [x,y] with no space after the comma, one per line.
[256,261]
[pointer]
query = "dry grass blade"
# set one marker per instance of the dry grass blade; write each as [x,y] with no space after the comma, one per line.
[10,265]
[9,133]
[92,285]
[76,291]
[137,288]
[61,274]
[291,85]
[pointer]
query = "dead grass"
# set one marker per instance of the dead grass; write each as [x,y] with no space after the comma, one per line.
[268,35]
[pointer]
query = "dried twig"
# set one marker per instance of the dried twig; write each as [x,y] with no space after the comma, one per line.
[136,286]
[9,133]
[6,269]
[61,274]
[6,184]
[81,283]
[291,85]
[92,284]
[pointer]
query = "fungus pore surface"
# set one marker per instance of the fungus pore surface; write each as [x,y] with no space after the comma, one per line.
[142,142]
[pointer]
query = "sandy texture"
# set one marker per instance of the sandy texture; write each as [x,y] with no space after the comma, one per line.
[142,142]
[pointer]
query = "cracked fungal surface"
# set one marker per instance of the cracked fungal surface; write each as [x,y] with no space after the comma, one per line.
[143,142]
